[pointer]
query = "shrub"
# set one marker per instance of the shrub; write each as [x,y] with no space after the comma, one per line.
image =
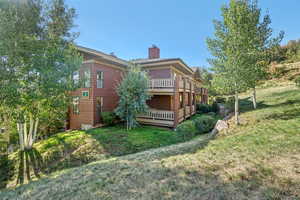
[278,71]
[211,114]
[230,103]
[298,81]
[108,118]
[5,166]
[204,124]
[215,107]
[186,130]
[203,108]
[220,100]
[230,100]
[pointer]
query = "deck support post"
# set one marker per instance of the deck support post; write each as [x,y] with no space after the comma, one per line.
[176,102]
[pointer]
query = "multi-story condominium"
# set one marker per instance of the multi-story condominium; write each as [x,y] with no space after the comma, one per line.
[172,85]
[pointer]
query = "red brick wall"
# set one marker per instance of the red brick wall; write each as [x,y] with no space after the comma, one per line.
[154,52]
[112,76]
[87,105]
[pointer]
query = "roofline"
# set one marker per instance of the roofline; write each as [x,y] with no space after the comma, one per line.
[167,60]
[126,63]
[103,55]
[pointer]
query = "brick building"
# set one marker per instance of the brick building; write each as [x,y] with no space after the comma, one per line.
[172,85]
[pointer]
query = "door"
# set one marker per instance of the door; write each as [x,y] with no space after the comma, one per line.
[99,107]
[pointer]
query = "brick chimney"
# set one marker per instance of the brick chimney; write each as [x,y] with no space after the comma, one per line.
[154,52]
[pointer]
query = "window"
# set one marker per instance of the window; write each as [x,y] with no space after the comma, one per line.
[76,105]
[87,78]
[75,77]
[85,93]
[181,100]
[99,79]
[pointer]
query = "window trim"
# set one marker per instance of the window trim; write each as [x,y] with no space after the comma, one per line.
[85,91]
[87,78]
[100,80]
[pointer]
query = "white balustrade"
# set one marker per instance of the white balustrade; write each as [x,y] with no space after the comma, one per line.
[158,114]
[161,83]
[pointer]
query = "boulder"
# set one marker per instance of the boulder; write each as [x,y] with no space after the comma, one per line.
[221,124]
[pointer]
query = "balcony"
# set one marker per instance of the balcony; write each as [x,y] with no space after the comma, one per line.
[188,86]
[165,117]
[157,117]
[161,85]
[189,111]
[168,85]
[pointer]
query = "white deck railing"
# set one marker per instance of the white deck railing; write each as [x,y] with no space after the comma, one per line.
[161,83]
[158,114]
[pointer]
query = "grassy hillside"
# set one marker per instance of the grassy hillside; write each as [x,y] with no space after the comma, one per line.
[258,160]
[75,148]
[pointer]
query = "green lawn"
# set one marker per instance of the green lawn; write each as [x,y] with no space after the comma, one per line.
[258,160]
[116,141]
[75,148]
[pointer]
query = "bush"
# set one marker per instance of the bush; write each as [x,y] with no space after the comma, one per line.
[204,124]
[278,71]
[186,130]
[220,100]
[213,114]
[230,100]
[108,118]
[203,108]
[298,81]
[230,103]
[5,170]
[215,107]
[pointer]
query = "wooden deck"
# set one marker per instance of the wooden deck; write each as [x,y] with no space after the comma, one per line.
[165,117]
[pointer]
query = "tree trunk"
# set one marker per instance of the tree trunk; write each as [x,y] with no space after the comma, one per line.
[236,109]
[27,136]
[254,98]
[21,137]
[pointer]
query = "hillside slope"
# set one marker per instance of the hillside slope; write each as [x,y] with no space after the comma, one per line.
[258,160]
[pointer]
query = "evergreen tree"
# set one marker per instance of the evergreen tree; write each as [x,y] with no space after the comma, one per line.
[133,96]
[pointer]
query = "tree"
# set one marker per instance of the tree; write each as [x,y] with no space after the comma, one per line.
[239,48]
[37,60]
[206,76]
[228,50]
[258,41]
[133,96]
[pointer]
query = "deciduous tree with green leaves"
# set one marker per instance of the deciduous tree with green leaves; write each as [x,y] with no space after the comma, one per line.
[37,60]
[239,48]
[133,96]
[258,42]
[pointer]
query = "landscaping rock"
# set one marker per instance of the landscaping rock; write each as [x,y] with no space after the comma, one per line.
[221,124]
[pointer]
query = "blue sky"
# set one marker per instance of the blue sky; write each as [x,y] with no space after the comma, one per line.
[178,27]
